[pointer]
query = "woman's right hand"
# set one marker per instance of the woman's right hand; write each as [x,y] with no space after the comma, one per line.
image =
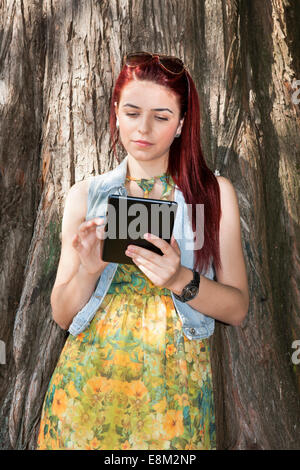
[88,242]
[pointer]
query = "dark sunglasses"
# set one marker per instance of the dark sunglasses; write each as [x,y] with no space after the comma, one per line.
[169,63]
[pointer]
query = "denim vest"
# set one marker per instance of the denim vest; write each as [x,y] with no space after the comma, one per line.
[195,324]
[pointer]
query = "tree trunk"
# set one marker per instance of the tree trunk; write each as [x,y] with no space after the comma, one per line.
[58,64]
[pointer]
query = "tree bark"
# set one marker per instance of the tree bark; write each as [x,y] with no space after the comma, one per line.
[58,64]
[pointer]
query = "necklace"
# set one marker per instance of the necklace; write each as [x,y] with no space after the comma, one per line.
[147,183]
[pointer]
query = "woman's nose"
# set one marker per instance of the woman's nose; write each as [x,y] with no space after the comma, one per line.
[144,125]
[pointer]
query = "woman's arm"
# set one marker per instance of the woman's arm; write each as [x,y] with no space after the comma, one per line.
[227,299]
[73,286]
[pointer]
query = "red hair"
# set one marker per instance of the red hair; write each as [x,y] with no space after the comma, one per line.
[186,164]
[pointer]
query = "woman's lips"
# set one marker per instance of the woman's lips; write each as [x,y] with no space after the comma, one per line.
[142,143]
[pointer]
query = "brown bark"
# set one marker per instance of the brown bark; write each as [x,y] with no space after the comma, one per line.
[58,64]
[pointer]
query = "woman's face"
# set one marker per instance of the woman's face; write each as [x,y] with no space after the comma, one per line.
[148,112]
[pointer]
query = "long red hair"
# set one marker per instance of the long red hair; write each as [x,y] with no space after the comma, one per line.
[186,164]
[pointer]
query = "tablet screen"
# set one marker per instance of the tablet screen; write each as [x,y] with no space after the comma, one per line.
[129,218]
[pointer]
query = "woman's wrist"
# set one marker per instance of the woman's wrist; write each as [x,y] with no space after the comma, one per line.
[84,272]
[184,276]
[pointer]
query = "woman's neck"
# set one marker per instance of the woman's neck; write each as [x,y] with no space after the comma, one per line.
[146,170]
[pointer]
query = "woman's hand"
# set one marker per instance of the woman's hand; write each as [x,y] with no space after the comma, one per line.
[88,243]
[162,270]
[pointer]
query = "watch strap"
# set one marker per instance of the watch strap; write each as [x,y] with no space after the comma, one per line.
[183,297]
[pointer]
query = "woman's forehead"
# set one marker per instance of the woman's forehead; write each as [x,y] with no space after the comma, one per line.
[147,92]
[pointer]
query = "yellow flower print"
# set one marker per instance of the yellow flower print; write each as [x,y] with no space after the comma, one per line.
[137,389]
[157,427]
[72,390]
[164,445]
[196,350]
[121,358]
[60,401]
[161,405]
[183,399]
[153,333]
[69,364]
[183,367]
[54,444]
[173,424]
[99,384]
[199,373]
[102,328]
[187,344]
[80,337]
[119,386]
[72,353]
[125,445]
[156,381]
[189,358]
[170,350]
[138,443]
[126,422]
[94,443]
[138,325]
[190,446]
[57,379]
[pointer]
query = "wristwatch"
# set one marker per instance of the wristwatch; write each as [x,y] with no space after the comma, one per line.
[191,289]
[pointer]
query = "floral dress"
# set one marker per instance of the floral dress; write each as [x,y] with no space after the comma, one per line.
[131,380]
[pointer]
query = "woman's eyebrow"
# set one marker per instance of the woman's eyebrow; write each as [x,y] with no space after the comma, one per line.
[155,109]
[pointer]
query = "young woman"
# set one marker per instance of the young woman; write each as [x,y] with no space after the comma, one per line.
[135,372]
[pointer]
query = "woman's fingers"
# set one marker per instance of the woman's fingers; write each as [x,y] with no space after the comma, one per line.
[76,242]
[100,232]
[87,227]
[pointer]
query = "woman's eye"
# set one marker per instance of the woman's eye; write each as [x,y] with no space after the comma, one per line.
[158,117]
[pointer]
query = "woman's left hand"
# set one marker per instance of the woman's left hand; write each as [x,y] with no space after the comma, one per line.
[162,270]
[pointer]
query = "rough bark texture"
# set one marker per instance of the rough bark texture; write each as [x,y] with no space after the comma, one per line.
[58,63]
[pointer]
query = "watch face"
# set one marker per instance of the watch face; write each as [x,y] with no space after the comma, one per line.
[191,291]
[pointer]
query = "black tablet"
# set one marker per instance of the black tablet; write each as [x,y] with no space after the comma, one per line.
[128,218]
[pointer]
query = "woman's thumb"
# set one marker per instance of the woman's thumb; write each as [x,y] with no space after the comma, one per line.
[175,245]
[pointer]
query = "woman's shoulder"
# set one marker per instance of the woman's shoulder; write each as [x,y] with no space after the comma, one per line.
[78,196]
[228,199]
[226,186]
[82,187]
[222,180]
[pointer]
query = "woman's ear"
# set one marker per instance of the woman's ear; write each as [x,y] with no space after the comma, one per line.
[116,109]
[180,125]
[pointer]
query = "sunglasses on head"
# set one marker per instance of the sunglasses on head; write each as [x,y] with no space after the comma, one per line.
[169,63]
